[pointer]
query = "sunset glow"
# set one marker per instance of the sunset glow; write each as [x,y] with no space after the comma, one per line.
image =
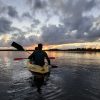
[94,45]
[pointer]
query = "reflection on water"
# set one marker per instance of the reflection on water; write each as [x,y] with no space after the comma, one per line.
[76,78]
[76,59]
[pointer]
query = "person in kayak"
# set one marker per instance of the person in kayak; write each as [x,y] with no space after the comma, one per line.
[39,56]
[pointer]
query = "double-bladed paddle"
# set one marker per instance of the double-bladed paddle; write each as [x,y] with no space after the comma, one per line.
[20,48]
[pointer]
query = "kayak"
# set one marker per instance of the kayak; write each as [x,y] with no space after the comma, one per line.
[38,69]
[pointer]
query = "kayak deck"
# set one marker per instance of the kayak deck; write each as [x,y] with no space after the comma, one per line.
[38,69]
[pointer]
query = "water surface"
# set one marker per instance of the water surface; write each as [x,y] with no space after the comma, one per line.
[76,78]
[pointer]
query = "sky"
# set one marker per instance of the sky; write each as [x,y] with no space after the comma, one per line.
[57,23]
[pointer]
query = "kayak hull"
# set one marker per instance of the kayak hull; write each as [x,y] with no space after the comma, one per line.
[38,69]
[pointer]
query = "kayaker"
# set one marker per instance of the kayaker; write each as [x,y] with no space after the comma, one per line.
[39,56]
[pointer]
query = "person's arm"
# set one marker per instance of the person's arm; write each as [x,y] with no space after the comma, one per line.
[31,56]
[48,60]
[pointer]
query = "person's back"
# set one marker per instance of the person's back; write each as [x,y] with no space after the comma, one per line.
[39,56]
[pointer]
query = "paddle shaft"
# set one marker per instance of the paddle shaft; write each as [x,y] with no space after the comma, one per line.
[27,52]
[27,58]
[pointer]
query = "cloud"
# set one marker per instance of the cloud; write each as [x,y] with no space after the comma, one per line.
[39,8]
[35,23]
[12,12]
[76,21]
[53,34]
[8,10]
[33,39]
[20,38]
[2,8]
[37,4]
[72,18]
[5,25]
[26,15]
[94,32]
[23,40]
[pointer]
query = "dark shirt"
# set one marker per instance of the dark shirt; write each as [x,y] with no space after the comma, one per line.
[38,57]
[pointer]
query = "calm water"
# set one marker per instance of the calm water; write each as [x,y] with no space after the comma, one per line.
[76,78]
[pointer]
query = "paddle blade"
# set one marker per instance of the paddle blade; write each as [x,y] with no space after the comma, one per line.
[17,46]
[54,66]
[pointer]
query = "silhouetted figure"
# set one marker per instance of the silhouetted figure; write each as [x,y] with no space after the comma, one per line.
[38,57]
[36,48]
